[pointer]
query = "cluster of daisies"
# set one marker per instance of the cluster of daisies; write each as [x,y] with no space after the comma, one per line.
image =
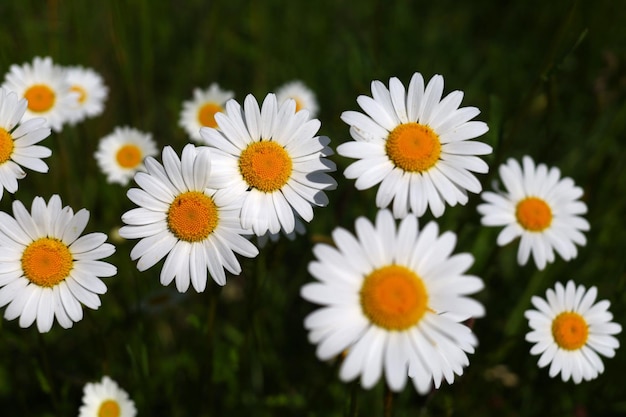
[395,299]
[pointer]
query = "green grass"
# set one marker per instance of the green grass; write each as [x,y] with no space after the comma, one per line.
[549,79]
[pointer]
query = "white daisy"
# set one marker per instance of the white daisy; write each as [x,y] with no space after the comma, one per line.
[570,332]
[541,208]
[46,88]
[46,268]
[201,110]
[91,90]
[197,227]
[394,300]
[415,144]
[121,154]
[301,94]
[18,141]
[272,158]
[106,399]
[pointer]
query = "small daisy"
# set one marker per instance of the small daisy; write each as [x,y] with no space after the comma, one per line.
[201,110]
[415,144]
[303,96]
[45,86]
[121,154]
[272,158]
[179,215]
[46,268]
[394,300]
[18,141]
[106,399]
[92,93]
[569,331]
[541,208]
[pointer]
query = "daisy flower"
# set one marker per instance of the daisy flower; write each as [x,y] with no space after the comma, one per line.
[415,145]
[45,86]
[18,141]
[197,227]
[303,96]
[121,154]
[201,110]
[394,300]
[272,158]
[106,399]
[92,93]
[538,206]
[569,330]
[46,268]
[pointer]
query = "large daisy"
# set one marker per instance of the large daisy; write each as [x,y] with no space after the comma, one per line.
[538,206]
[197,227]
[272,158]
[415,145]
[44,84]
[106,399]
[394,300]
[570,331]
[121,154]
[46,268]
[201,110]
[301,94]
[91,90]
[18,142]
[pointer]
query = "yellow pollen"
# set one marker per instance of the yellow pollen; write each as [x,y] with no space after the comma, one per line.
[6,146]
[129,156]
[394,297]
[570,330]
[46,262]
[533,214]
[109,408]
[265,165]
[82,94]
[413,147]
[192,216]
[40,98]
[206,114]
[299,104]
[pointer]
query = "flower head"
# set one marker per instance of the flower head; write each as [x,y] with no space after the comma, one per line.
[415,145]
[201,110]
[569,330]
[91,90]
[394,299]
[46,268]
[301,94]
[541,208]
[106,399]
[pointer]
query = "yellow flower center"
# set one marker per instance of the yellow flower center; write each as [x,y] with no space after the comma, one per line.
[46,262]
[299,104]
[570,330]
[40,98]
[533,214]
[394,297]
[192,216]
[6,146]
[109,408]
[82,94]
[413,147]
[129,156]
[206,114]
[265,165]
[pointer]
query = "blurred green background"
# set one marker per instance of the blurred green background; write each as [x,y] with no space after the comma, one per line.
[550,79]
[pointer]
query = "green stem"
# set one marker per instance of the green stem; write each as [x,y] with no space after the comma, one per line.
[388,402]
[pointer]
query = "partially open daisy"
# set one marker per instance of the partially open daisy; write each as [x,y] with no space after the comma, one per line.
[569,331]
[201,110]
[45,86]
[46,268]
[18,142]
[301,94]
[91,91]
[541,208]
[106,399]
[415,144]
[121,153]
[197,227]
[394,300]
[272,158]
